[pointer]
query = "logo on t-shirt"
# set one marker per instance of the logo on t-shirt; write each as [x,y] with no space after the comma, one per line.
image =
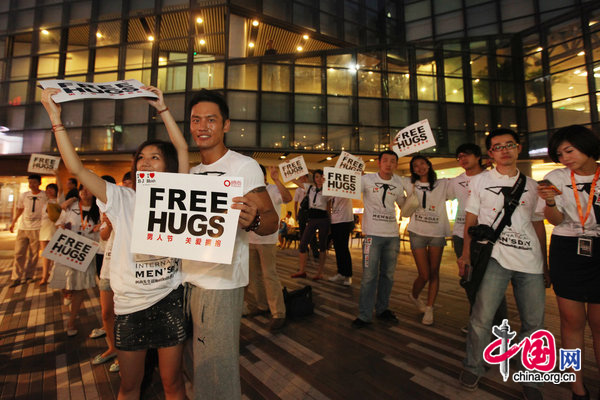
[216,173]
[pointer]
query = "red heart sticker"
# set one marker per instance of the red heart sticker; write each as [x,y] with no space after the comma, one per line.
[142,175]
[151,174]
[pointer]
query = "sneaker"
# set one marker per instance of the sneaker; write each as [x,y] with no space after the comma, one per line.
[347,281]
[336,278]
[15,283]
[428,316]
[532,393]
[468,380]
[276,324]
[417,302]
[465,329]
[359,323]
[114,367]
[97,333]
[388,316]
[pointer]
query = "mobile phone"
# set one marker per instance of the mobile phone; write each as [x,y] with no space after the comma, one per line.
[546,182]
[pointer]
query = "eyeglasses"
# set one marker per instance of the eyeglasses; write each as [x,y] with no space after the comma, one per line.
[507,146]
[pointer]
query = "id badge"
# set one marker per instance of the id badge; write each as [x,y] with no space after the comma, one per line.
[584,246]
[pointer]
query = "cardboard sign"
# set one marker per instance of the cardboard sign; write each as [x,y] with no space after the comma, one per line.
[413,138]
[43,164]
[186,216]
[72,90]
[293,169]
[71,249]
[342,183]
[350,162]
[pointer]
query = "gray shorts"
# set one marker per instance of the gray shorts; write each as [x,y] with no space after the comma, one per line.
[422,242]
[104,284]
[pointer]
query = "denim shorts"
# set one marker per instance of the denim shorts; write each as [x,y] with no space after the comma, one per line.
[422,242]
[161,325]
[104,284]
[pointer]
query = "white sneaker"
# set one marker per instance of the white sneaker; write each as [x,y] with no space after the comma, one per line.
[417,302]
[336,278]
[428,317]
[348,281]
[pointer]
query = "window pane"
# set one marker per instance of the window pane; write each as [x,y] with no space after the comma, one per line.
[17,93]
[338,137]
[307,80]
[16,118]
[20,68]
[275,107]
[22,45]
[399,86]
[369,84]
[108,33]
[275,135]
[479,65]
[429,111]
[107,59]
[536,119]
[340,60]
[103,112]
[339,110]
[101,139]
[370,139]
[241,134]
[569,83]
[48,66]
[72,114]
[208,76]
[242,105]
[567,55]
[427,88]
[369,112]
[453,66]
[138,56]
[49,41]
[454,90]
[171,79]
[456,116]
[135,111]
[308,137]
[78,38]
[571,111]
[482,118]
[481,91]
[131,137]
[275,78]
[506,93]
[242,77]
[110,77]
[533,65]
[308,109]
[76,62]
[142,75]
[535,91]
[399,113]
[507,118]
[339,82]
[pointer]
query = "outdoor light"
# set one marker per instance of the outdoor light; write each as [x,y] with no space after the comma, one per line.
[202,42]
[328,158]
[299,48]
[98,35]
[305,37]
[45,32]
[539,49]
[251,44]
[151,38]
[199,20]
[581,53]
[255,23]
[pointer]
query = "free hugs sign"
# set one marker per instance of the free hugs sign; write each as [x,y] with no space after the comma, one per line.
[73,90]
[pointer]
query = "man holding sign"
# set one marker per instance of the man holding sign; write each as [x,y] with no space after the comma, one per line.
[217,290]
[31,204]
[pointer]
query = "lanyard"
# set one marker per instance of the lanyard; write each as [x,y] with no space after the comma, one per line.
[583,218]
[84,223]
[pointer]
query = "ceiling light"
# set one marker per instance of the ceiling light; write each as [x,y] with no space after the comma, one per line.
[470,62]
[328,158]
[251,44]
[580,109]
[299,48]
[539,49]
[407,76]
[255,23]
[422,89]
[282,157]
[151,38]
[305,37]
[199,20]
[455,91]
[161,59]
[569,99]
[202,42]
[370,72]
[371,159]
[98,35]
[592,23]
[581,53]
[45,32]
[477,80]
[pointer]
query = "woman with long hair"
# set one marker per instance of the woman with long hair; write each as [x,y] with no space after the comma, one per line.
[428,229]
[141,308]
[572,205]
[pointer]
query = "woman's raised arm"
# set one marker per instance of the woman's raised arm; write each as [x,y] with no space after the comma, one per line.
[95,184]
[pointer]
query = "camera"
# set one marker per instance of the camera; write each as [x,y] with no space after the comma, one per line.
[482,233]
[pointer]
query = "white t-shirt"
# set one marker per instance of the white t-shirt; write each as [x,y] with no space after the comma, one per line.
[565,203]
[341,210]
[319,201]
[34,206]
[518,248]
[226,276]
[289,221]
[460,188]
[277,201]
[105,270]
[431,220]
[72,216]
[138,281]
[379,218]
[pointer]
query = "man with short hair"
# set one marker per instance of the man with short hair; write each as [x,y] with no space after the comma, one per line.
[382,241]
[72,190]
[518,255]
[468,156]
[264,290]
[216,291]
[30,205]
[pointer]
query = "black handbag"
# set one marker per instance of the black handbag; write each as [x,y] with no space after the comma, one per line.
[483,238]
[304,203]
[298,303]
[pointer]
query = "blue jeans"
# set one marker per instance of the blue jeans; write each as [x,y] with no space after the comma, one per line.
[379,263]
[530,296]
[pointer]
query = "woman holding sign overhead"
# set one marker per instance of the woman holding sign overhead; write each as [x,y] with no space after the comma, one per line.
[428,228]
[149,313]
[572,203]
[318,219]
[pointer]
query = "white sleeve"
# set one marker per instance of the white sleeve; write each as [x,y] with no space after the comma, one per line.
[473,201]
[450,189]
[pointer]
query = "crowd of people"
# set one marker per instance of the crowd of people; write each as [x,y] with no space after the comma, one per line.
[498,236]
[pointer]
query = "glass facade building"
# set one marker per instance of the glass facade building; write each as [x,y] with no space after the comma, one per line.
[347,73]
